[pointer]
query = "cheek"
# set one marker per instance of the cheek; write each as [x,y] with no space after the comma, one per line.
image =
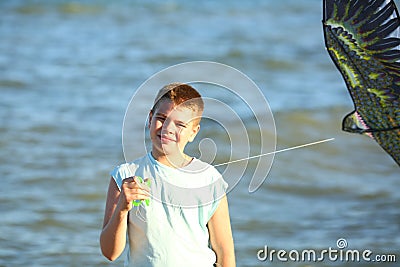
[184,135]
[155,124]
[154,129]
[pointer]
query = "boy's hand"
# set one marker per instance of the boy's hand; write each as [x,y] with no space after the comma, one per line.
[132,189]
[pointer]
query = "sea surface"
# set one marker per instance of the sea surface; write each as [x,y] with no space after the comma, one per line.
[68,70]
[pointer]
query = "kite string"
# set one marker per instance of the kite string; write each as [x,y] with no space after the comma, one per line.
[274,152]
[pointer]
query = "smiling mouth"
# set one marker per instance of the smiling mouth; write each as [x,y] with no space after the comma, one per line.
[166,139]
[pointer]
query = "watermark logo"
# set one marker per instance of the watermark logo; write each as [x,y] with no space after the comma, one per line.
[237,136]
[341,243]
[237,122]
[340,253]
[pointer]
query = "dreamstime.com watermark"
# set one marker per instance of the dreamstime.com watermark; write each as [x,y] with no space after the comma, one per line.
[338,254]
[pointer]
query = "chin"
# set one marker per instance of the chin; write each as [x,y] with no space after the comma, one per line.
[163,150]
[167,150]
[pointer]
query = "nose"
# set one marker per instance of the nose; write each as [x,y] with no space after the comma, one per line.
[168,126]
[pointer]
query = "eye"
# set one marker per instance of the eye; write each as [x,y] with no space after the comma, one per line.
[180,124]
[160,118]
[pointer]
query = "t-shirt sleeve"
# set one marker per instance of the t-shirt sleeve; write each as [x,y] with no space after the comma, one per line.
[120,173]
[219,191]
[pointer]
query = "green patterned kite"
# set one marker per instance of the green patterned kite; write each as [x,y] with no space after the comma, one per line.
[362,38]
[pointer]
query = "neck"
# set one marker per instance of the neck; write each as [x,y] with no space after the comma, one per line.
[176,161]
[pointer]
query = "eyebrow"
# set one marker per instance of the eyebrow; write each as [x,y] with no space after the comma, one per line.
[165,116]
[161,114]
[181,122]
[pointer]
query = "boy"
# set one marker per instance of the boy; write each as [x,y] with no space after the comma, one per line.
[188,210]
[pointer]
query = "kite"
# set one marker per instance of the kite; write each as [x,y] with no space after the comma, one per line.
[361,37]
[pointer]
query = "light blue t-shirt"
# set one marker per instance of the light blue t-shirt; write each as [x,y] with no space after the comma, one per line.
[172,229]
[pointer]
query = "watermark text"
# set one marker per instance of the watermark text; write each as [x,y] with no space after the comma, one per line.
[338,254]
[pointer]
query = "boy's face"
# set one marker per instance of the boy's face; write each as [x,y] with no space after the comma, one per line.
[171,128]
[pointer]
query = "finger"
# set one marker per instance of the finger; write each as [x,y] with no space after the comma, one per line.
[140,197]
[128,180]
[145,186]
[147,183]
[132,182]
[136,197]
[143,183]
[137,190]
[138,179]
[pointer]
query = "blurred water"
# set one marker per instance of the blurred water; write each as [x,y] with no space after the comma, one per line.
[68,70]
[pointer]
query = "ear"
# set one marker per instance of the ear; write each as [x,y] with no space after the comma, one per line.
[195,130]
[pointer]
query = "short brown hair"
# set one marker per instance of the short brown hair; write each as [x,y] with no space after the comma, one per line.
[180,94]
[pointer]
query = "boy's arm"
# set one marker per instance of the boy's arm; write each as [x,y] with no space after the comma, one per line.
[219,228]
[113,235]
